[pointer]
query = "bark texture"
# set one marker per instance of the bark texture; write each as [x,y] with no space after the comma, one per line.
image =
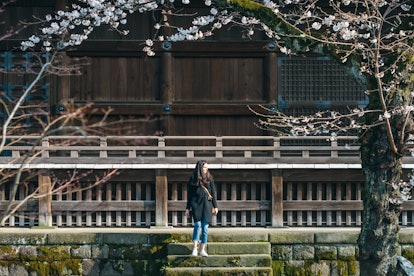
[378,241]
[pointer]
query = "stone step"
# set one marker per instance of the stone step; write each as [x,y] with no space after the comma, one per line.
[222,248]
[234,236]
[245,260]
[228,271]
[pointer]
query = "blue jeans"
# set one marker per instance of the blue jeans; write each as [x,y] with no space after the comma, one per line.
[203,227]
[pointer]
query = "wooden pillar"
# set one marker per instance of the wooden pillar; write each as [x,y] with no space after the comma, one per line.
[271,76]
[161,198]
[167,93]
[45,202]
[277,198]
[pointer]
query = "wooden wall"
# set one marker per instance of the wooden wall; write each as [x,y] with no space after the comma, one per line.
[205,85]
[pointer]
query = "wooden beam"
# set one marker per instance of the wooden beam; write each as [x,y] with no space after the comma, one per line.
[277,198]
[271,78]
[190,109]
[116,48]
[228,205]
[45,202]
[167,93]
[104,206]
[322,205]
[161,198]
[327,175]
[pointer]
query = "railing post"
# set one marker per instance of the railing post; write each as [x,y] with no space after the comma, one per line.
[334,144]
[45,143]
[103,143]
[45,201]
[161,144]
[276,144]
[277,198]
[161,198]
[219,144]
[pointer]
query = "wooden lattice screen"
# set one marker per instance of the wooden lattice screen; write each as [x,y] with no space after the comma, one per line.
[130,204]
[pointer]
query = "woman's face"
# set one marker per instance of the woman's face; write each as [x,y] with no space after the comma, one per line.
[205,168]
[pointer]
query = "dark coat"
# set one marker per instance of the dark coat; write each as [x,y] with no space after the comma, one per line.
[198,202]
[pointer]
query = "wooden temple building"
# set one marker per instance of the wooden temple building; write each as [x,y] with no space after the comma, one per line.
[186,103]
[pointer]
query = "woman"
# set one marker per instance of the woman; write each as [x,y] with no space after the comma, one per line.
[201,200]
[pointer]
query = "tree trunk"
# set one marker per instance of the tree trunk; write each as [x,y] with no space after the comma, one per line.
[378,240]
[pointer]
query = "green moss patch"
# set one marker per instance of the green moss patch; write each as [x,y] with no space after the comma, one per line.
[53,253]
[66,267]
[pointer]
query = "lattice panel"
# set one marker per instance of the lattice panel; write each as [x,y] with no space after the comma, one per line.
[229,197]
[316,81]
[112,205]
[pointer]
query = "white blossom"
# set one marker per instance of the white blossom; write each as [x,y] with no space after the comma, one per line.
[328,21]
[405,7]
[213,11]
[203,20]
[316,25]
[149,42]
[217,25]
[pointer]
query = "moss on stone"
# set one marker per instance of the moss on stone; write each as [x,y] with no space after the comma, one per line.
[326,256]
[64,267]
[170,238]
[348,258]
[23,239]
[235,261]
[342,268]
[277,252]
[278,267]
[189,262]
[353,268]
[294,270]
[408,253]
[131,253]
[291,238]
[52,253]
[8,252]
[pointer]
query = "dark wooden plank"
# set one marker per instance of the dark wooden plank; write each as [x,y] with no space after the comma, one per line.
[28,206]
[277,198]
[408,205]
[188,48]
[78,206]
[45,202]
[271,78]
[325,205]
[119,79]
[228,205]
[331,175]
[161,198]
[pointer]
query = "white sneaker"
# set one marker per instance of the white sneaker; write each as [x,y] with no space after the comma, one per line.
[203,253]
[194,253]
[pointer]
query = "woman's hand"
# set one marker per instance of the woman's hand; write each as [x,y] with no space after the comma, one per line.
[187,213]
[215,211]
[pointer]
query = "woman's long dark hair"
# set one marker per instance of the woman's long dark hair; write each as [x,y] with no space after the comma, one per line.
[199,178]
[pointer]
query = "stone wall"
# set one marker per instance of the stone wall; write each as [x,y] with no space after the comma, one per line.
[296,251]
[315,253]
[82,253]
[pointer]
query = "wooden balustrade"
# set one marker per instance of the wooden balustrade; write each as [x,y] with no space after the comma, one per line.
[155,195]
[170,149]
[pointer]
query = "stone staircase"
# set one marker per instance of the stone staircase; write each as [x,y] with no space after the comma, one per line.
[228,255]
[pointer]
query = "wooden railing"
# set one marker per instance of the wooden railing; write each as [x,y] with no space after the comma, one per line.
[151,189]
[180,149]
